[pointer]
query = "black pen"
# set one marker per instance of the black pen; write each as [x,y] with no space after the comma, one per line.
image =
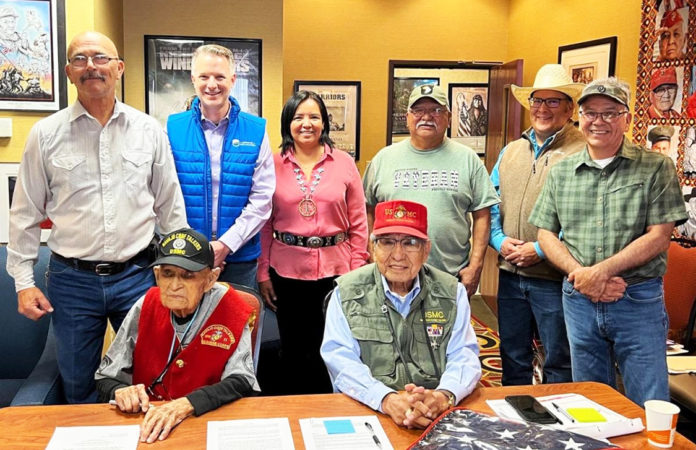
[374,436]
[565,414]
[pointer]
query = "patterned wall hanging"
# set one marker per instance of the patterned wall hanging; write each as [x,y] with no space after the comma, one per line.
[665,108]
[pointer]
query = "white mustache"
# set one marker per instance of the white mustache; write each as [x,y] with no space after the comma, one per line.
[92,76]
[426,123]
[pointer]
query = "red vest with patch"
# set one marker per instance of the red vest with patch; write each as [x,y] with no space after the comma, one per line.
[202,362]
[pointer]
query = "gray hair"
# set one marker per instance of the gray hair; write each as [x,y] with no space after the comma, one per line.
[613,83]
[213,49]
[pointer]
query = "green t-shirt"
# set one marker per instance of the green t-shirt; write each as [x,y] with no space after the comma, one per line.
[450,180]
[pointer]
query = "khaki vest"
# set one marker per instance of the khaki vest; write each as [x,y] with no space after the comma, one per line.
[521,180]
[432,313]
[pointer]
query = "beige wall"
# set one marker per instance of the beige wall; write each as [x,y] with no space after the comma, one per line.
[351,40]
[355,39]
[535,37]
[258,19]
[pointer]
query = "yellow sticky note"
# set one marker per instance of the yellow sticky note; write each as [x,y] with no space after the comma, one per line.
[586,415]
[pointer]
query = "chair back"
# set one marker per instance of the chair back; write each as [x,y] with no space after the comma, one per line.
[22,340]
[680,290]
[253,299]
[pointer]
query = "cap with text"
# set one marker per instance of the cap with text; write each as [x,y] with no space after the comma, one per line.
[400,216]
[185,248]
[428,91]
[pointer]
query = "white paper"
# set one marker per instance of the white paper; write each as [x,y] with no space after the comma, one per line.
[316,437]
[117,437]
[250,434]
[616,424]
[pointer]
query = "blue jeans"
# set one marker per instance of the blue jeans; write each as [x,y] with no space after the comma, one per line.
[631,332]
[82,302]
[243,273]
[522,303]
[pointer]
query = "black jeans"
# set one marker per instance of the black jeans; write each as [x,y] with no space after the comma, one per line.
[301,326]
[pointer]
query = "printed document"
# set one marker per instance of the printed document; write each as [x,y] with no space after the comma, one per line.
[250,434]
[117,437]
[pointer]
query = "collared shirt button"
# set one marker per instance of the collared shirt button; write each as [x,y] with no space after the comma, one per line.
[599,249]
[599,222]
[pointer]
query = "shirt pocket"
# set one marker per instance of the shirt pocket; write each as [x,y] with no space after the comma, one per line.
[627,207]
[69,169]
[421,348]
[376,349]
[136,165]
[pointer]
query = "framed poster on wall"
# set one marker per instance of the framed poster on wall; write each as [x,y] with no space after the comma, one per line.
[168,86]
[342,100]
[590,60]
[469,104]
[32,55]
[8,179]
[400,94]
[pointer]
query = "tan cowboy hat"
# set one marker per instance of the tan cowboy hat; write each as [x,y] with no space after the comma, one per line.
[551,77]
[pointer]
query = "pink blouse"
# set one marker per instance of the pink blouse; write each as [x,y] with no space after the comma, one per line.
[340,201]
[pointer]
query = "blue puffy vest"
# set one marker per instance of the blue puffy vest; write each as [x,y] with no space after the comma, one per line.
[240,151]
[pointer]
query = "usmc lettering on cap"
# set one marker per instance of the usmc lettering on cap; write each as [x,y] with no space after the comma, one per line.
[400,214]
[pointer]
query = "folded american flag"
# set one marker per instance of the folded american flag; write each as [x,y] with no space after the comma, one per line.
[463,429]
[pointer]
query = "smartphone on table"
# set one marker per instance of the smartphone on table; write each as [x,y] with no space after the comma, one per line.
[530,409]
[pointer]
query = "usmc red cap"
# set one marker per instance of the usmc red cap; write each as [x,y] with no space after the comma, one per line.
[663,76]
[400,216]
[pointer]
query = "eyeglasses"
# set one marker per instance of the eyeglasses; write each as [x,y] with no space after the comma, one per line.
[607,116]
[665,89]
[553,102]
[98,60]
[409,245]
[433,112]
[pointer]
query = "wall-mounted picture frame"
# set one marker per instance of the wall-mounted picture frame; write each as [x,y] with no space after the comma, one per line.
[8,179]
[168,86]
[342,100]
[32,55]
[401,91]
[469,105]
[590,60]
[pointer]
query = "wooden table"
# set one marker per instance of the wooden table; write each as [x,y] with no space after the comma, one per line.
[27,427]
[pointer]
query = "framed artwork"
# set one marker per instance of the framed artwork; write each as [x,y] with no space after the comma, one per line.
[469,103]
[400,94]
[8,179]
[168,86]
[32,55]
[589,60]
[342,100]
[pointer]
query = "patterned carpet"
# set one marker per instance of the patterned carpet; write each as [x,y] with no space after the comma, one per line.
[489,346]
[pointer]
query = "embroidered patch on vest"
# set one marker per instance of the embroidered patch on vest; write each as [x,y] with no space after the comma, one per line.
[435,317]
[217,336]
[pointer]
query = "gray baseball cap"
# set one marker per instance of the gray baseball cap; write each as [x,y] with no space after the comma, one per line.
[613,92]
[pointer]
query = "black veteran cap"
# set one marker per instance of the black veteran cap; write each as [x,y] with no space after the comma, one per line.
[185,248]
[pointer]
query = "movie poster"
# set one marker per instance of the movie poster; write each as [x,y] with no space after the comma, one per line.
[29,72]
[168,73]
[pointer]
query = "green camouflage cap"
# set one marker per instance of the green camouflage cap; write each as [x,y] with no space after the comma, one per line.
[613,92]
[428,91]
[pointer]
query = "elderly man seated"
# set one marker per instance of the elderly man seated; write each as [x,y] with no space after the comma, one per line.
[401,325]
[186,341]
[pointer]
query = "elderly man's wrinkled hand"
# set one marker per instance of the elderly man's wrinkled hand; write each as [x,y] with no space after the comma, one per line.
[132,399]
[524,256]
[160,421]
[509,246]
[429,403]
[398,406]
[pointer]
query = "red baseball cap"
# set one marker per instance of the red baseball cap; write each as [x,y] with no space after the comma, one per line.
[663,76]
[400,216]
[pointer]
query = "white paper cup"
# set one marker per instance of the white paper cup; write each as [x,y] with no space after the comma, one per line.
[661,422]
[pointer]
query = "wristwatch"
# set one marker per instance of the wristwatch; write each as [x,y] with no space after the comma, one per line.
[451,399]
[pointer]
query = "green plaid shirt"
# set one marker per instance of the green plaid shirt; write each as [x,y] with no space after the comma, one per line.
[601,211]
